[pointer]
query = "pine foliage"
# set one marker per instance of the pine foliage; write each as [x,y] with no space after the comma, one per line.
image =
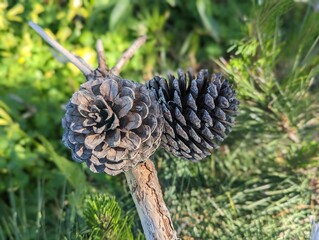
[105,220]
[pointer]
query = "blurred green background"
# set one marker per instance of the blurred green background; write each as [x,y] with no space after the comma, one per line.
[261,184]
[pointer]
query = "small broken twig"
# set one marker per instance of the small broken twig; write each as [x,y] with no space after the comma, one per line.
[102,68]
[128,54]
[84,68]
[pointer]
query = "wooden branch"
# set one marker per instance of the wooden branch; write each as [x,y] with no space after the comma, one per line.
[148,198]
[102,68]
[84,68]
[128,54]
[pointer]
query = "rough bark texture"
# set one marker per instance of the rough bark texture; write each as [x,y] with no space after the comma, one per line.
[149,202]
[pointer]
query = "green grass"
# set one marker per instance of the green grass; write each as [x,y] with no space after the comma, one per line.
[261,184]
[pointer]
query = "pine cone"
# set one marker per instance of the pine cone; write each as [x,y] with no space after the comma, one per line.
[112,124]
[198,112]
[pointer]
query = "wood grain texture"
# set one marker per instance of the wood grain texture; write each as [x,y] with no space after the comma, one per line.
[149,202]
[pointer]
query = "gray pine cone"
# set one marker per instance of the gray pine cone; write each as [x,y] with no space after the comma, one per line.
[198,112]
[112,124]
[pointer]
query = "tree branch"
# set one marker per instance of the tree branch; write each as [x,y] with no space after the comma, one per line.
[148,198]
[128,54]
[84,68]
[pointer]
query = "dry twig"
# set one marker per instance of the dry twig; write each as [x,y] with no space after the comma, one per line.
[84,68]
[101,58]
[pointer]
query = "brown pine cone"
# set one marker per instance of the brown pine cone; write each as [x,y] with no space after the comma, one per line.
[198,112]
[112,124]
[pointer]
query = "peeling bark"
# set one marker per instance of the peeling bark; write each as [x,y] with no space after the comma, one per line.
[148,198]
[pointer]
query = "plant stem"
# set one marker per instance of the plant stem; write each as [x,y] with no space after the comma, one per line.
[84,68]
[101,58]
[148,198]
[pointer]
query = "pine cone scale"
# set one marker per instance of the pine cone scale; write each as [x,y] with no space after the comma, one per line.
[169,130]
[193,119]
[191,102]
[113,138]
[109,90]
[83,98]
[179,117]
[122,105]
[181,132]
[92,141]
[166,112]
[209,101]
[130,121]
